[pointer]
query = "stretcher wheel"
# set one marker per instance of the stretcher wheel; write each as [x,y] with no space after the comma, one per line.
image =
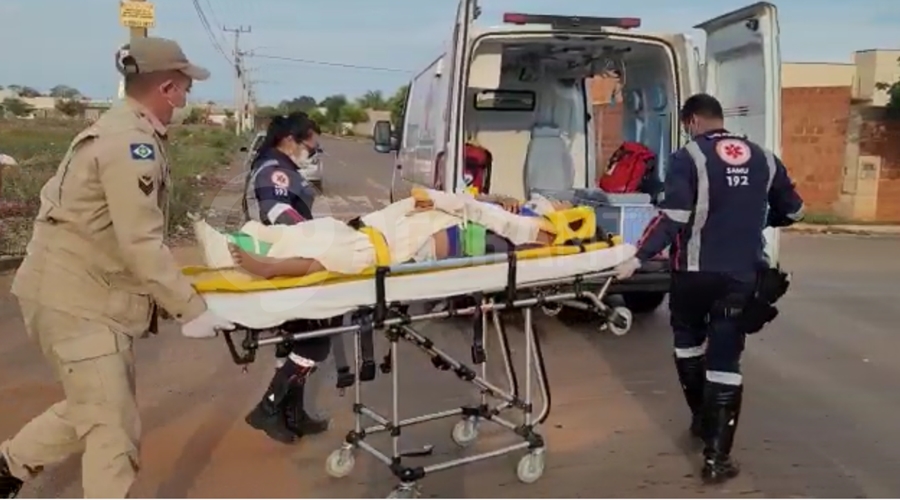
[340,463]
[465,432]
[531,467]
[404,492]
[620,321]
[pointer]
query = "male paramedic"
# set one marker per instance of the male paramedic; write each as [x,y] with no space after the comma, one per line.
[97,266]
[277,193]
[721,191]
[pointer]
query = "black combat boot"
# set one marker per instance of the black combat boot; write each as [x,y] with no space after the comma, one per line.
[722,410]
[692,376]
[9,484]
[298,421]
[268,415]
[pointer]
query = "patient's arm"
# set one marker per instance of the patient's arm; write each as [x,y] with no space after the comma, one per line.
[268,267]
[508,203]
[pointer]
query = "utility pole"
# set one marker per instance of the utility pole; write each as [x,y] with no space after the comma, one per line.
[240,78]
[251,107]
[138,16]
[250,103]
[137,32]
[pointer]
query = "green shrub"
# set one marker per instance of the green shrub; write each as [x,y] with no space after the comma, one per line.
[196,153]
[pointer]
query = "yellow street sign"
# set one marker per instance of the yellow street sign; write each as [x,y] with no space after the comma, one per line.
[137,14]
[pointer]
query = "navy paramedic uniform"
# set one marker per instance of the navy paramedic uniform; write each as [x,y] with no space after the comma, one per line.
[276,193]
[721,191]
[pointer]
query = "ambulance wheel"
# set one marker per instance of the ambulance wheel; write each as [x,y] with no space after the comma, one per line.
[620,321]
[340,463]
[531,467]
[465,432]
[643,302]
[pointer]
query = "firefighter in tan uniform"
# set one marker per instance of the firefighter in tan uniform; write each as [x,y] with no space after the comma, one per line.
[96,271]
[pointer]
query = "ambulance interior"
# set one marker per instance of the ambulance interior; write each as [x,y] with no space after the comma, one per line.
[534,115]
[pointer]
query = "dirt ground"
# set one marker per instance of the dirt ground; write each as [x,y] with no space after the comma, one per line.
[196,444]
[820,394]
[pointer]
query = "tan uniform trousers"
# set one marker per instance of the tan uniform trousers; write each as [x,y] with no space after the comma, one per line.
[99,416]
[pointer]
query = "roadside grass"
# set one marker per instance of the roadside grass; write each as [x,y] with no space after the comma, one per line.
[825,219]
[196,154]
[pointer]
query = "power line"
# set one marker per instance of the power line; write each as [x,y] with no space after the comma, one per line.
[328,63]
[212,13]
[209,31]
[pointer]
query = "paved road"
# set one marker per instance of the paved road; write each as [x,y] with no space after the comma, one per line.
[820,419]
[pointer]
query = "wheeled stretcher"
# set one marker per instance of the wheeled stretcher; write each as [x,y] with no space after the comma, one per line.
[379,300]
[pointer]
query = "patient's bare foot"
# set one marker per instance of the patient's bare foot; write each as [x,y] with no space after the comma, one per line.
[245,261]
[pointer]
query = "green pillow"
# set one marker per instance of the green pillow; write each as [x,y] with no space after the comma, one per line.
[249,244]
[474,240]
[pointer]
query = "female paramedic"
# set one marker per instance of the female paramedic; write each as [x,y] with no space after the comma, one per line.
[276,193]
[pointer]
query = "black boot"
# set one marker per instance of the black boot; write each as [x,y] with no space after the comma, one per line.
[268,415]
[298,421]
[722,410]
[9,484]
[692,376]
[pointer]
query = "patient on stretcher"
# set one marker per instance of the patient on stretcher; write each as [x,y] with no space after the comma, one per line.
[429,226]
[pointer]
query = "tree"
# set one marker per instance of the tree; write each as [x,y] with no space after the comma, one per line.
[354,114]
[893,92]
[64,92]
[396,104]
[373,99]
[195,116]
[333,106]
[267,111]
[317,116]
[25,91]
[17,107]
[70,107]
[303,103]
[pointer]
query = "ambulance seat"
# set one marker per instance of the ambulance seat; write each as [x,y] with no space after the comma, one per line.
[548,162]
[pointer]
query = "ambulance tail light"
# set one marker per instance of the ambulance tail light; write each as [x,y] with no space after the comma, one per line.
[572,21]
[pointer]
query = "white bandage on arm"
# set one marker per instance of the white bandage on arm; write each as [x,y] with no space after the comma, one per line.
[518,229]
[334,244]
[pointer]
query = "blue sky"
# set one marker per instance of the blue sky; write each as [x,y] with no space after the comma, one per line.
[72,42]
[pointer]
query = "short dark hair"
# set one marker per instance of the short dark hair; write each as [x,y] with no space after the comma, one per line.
[297,125]
[702,105]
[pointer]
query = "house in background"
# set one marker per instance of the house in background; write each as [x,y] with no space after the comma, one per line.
[841,151]
[366,128]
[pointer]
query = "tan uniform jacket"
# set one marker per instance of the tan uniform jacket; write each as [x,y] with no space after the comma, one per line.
[97,250]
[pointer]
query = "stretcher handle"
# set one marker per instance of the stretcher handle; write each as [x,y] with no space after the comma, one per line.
[480,260]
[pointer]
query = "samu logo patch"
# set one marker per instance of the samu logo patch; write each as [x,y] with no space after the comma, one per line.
[142,151]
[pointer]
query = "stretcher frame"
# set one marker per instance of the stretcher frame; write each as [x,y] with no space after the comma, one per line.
[394,322]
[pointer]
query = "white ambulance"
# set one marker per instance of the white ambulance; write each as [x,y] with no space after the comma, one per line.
[521,91]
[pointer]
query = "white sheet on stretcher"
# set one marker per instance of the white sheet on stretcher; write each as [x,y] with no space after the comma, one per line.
[270,308]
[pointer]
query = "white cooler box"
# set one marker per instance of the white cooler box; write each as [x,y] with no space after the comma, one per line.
[624,214]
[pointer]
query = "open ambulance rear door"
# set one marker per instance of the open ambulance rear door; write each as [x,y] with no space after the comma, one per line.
[743,70]
[459,56]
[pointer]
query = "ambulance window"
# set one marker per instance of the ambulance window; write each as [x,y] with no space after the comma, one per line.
[504,100]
